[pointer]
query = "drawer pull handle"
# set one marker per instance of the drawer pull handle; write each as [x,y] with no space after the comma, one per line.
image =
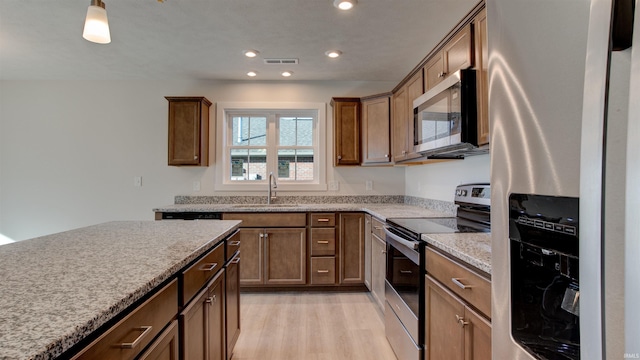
[211,299]
[237,260]
[145,330]
[323,271]
[406,272]
[208,267]
[378,227]
[235,243]
[323,241]
[323,220]
[460,284]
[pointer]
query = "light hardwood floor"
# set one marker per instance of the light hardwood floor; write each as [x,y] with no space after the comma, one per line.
[311,325]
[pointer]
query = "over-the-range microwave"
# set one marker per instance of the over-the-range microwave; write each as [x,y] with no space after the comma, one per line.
[445,117]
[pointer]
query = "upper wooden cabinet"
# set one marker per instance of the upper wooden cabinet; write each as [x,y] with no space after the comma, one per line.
[188,131]
[455,55]
[481,60]
[402,118]
[376,148]
[346,121]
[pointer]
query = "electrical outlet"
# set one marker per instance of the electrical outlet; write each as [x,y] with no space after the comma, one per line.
[369,185]
[137,181]
[196,186]
[334,185]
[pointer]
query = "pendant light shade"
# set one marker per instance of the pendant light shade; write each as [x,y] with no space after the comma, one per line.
[96,25]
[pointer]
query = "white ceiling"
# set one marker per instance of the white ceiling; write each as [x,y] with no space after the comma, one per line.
[381,40]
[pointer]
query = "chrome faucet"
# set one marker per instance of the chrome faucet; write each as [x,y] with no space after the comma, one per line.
[272,180]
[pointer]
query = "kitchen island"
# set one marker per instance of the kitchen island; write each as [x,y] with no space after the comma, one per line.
[58,289]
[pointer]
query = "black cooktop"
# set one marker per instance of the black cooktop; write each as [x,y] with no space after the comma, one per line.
[418,226]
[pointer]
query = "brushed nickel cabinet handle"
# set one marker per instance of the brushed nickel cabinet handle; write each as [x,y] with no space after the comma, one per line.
[323,220]
[145,330]
[406,272]
[323,241]
[378,227]
[323,271]
[208,267]
[237,260]
[234,243]
[339,157]
[210,299]
[195,157]
[460,320]
[460,284]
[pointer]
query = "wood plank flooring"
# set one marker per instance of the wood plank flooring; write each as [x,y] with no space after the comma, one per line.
[311,325]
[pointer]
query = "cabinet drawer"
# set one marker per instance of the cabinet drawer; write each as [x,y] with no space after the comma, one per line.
[323,241]
[268,219]
[194,278]
[233,244]
[323,271]
[467,284]
[323,220]
[130,335]
[404,272]
[377,228]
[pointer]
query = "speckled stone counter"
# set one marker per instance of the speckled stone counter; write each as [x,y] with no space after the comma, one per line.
[381,211]
[57,289]
[472,248]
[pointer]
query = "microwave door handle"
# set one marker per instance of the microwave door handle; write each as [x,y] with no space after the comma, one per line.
[408,243]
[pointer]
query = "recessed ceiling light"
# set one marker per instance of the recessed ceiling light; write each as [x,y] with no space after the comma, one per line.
[344,4]
[287,73]
[251,53]
[252,73]
[333,53]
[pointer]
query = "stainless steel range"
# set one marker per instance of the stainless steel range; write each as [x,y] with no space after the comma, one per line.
[405,277]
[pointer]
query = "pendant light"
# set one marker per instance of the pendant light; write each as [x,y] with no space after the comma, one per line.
[96,25]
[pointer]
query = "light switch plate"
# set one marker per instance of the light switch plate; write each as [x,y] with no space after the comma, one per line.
[369,185]
[196,186]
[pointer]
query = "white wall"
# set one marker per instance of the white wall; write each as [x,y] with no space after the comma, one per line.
[69,150]
[439,180]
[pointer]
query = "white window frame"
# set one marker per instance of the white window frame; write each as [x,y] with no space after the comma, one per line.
[223,180]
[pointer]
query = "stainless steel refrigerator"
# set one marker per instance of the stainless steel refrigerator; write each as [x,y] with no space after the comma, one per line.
[565,121]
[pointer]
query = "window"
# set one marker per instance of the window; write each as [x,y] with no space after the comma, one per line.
[259,140]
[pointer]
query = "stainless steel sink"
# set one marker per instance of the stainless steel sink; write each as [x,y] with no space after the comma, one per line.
[263,205]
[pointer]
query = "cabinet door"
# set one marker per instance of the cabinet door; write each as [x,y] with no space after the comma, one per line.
[193,326]
[378,269]
[165,347]
[215,339]
[232,298]
[482,57]
[351,248]
[252,270]
[375,131]
[457,52]
[434,71]
[477,336]
[444,334]
[367,251]
[400,125]
[285,256]
[188,131]
[346,120]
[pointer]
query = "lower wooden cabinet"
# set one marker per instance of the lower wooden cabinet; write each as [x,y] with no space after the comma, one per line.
[166,345]
[203,323]
[351,239]
[453,330]
[378,268]
[232,299]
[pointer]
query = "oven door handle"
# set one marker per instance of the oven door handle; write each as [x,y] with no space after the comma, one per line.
[408,243]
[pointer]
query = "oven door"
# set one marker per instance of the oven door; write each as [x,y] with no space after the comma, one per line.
[404,292]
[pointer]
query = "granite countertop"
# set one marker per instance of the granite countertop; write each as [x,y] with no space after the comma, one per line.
[381,211]
[57,289]
[472,248]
